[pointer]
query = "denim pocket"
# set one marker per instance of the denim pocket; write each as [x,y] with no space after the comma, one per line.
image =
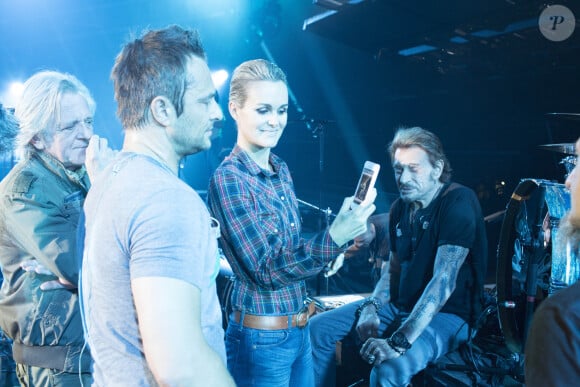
[265,339]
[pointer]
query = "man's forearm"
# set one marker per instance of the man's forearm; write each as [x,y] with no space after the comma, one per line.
[428,305]
[389,280]
[383,287]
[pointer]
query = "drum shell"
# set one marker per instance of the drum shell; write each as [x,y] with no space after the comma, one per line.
[530,265]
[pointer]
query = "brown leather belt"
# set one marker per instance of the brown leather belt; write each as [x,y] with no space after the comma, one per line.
[267,322]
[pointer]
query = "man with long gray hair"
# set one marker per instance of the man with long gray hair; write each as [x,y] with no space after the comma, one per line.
[41,200]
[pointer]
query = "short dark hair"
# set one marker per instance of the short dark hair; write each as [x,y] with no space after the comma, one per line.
[151,66]
[426,140]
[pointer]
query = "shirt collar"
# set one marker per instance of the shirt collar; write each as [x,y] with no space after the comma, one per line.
[78,177]
[252,166]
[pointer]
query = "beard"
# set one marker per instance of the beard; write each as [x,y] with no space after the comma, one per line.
[569,232]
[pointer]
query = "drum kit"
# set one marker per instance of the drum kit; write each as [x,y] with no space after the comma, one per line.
[530,265]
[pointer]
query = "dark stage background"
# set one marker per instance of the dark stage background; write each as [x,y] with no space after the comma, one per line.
[485,87]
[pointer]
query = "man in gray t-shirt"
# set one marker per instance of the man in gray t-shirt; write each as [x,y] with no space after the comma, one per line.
[150,260]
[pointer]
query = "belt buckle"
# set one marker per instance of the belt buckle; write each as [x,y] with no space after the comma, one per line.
[304,315]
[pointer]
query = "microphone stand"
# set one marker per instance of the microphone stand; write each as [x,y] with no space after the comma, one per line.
[327,214]
[319,132]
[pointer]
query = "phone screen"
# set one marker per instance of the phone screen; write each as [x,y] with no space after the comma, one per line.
[363,185]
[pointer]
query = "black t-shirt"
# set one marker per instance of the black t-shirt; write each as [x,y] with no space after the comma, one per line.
[453,218]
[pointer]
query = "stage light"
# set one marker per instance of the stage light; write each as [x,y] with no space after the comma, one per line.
[12,94]
[331,7]
[219,77]
[417,50]
[336,5]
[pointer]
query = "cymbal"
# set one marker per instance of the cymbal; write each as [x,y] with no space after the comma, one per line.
[570,116]
[565,148]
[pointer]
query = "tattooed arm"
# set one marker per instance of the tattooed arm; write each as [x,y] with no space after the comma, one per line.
[448,260]
[388,276]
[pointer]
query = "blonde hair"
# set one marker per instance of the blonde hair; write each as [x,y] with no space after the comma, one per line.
[249,71]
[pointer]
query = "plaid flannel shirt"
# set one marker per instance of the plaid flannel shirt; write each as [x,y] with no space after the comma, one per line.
[261,235]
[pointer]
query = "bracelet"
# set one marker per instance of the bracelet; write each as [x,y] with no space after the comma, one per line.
[369,301]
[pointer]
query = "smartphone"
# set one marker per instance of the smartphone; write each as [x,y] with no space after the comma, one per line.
[366,182]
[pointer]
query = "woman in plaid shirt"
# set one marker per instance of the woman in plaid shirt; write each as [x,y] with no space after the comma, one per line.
[252,195]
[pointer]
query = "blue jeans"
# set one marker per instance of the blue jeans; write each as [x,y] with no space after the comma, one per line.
[444,334]
[269,358]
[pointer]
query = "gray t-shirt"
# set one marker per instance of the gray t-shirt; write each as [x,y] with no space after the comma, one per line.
[142,221]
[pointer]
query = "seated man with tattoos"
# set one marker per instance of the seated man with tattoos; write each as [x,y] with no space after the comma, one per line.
[431,291]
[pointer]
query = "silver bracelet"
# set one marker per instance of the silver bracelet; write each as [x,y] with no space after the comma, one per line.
[369,301]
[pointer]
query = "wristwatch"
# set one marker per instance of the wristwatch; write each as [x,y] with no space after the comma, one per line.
[399,343]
